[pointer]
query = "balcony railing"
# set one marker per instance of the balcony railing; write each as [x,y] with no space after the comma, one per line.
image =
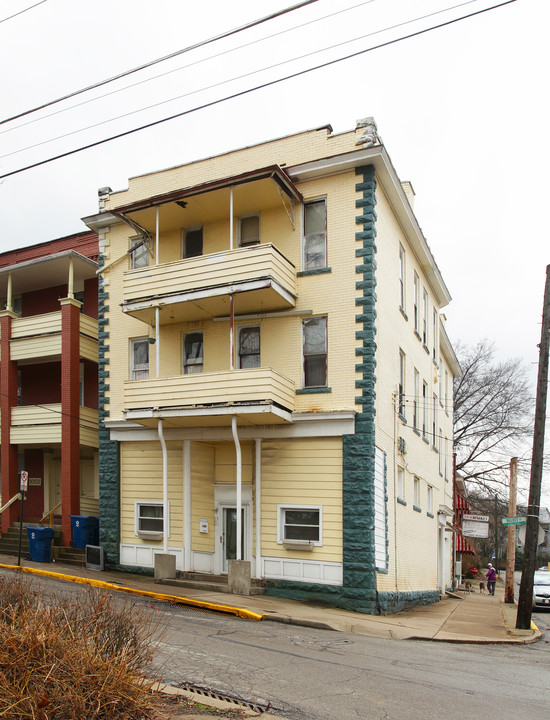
[42,423]
[39,336]
[259,269]
[210,390]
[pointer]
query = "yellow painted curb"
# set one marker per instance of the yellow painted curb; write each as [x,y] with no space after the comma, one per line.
[173,599]
[533,626]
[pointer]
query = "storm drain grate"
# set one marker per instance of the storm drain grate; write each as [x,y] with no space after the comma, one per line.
[207,692]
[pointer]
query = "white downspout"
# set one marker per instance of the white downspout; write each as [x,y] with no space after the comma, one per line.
[187,503]
[258,508]
[164,488]
[231,242]
[157,341]
[157,236]
[239,485]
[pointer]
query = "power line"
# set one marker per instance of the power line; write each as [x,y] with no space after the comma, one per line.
[10,17]
[202,60]
[202,43]
[233,79]
[248,91]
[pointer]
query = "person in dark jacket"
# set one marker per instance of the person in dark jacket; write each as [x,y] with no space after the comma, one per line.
[491,577]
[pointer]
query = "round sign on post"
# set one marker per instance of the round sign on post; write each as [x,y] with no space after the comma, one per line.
[24,481]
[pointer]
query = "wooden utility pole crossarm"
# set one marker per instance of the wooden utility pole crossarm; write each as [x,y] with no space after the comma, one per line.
[523,621]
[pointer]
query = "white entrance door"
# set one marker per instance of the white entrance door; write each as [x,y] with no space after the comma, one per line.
[229,535]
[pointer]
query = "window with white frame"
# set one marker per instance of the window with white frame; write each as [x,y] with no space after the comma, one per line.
[300,524]
[401,396]
[446,391]
[249,230]
[192,353]
[425,317]
[139,359]
[415,401]
[434,421]
[401,277]
[400,483]
[439,445]
[249,347]
[139,253]
[430,499]
[416,491]
[192,242]
[424,409]
[416,309]
[315,352]
[315,235]
[149,519]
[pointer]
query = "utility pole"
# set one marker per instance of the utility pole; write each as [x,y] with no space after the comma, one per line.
[496,534]
[525,603]
[511,543]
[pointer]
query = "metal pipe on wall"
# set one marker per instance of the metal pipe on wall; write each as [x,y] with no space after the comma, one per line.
[239,503]
[164,487]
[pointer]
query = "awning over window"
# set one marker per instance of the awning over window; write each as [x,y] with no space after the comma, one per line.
[461,504]
[462,545]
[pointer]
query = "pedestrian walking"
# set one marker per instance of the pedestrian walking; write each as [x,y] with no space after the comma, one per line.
[491,577]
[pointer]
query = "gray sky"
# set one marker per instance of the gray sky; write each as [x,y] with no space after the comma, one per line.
[461,110]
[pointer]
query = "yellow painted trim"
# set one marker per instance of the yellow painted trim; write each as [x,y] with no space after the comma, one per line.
[174,599]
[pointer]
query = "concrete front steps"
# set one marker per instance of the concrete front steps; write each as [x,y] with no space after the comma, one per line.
[9,545]
[210,583]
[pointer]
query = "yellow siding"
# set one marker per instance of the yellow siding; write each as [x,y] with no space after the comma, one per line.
[202,496]
[89,506]
[226,464]
[303,472]
[36,434]
[35,347]
[88,326]
[36,325]
[141,479]
[89,348]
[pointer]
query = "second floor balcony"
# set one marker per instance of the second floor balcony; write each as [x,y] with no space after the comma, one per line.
[259,277]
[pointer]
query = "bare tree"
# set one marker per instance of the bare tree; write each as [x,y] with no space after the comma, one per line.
[493,406]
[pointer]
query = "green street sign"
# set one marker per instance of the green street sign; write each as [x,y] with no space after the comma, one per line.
[517,520]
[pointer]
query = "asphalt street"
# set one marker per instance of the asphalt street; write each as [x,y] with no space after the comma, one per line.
[312,674]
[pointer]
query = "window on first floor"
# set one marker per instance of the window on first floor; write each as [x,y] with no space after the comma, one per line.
[315,235]
[300,523]
[315,351]
[192,242]
[249,347]
[149,518]
[192,353]
[139,359]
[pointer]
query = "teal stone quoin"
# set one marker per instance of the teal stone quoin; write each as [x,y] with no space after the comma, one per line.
[109,456]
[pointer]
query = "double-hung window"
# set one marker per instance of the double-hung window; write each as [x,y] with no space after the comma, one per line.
[149,519]
[424,409]
[315,235]
[192,242]
[416,309]
[300,523]
[434,422]
[425,318]
[435,319]
[139,359]
[192,353]
[430,499]
[315,352]
[415,400]
[417,492]
[401,277]
[249,347]
[139,253]
[249,230]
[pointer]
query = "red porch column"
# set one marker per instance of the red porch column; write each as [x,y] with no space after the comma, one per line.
[8,398]
[70,423]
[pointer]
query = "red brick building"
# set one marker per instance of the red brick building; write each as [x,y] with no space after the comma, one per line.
[49,379]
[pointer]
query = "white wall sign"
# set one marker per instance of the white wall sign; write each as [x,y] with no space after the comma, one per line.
[203,525]
[478,518]
[471,528]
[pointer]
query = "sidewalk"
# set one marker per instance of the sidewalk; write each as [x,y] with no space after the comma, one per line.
[474,618]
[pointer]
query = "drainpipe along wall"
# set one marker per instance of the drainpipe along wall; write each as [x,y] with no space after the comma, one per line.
[164,487]
[239,485]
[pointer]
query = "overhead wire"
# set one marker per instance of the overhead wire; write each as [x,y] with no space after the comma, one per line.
[197,62]
[233,79]
[248,91]
[199,44]
[10,17]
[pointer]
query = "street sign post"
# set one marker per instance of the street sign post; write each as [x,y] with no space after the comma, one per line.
[516,520]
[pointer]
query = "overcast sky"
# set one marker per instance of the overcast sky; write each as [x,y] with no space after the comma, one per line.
[462,111]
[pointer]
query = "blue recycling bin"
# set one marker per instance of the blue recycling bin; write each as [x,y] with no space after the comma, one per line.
[85,530]
[40,543]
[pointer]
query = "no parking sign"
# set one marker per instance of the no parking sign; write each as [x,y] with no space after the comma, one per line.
[24,481]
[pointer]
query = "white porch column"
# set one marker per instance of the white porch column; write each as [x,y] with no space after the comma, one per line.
[157,236]
[187,529]
[70,282]
[157,341]
[258,507]
[239,552]
[164,488]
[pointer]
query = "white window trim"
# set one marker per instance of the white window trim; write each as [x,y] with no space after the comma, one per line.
[298,543]
[416,301]
[150,534]
[402,286]
[416,491]
[132,369]
[430,499]
[244,217]
[400,482]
